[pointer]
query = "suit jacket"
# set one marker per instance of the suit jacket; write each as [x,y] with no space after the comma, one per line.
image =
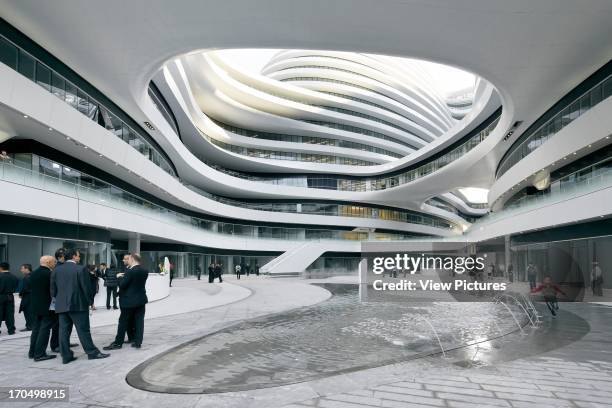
[40,281]
[25,292]
[132,292]
[71,288]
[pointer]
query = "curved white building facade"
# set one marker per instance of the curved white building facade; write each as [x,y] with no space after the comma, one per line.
[315,152]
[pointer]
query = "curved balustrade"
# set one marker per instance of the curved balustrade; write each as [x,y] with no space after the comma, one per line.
[338,210]
[536,137]
[32,68]
[87,188]
[372,183]
[592,178]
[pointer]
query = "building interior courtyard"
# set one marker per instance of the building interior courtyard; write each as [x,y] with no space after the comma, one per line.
[348,204]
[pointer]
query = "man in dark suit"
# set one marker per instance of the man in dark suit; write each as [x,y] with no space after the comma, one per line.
[132,301]
[25,294]
[8,286]
[43,318]
[71,289]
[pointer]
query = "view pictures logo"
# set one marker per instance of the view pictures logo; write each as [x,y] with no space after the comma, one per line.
[412,264]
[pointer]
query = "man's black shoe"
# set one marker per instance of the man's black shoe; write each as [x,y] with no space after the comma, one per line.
[74,344]
[97,356]
[71,359]
[25,330]
[45,357]
[11,333]
[55,350]
[136,345]
[107,307]
[112,346]
[115,308]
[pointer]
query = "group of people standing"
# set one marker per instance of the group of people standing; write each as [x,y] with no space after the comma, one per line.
[245,269]
[215,271]
[58,296]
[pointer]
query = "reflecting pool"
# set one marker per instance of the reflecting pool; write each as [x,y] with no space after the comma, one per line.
[339,335]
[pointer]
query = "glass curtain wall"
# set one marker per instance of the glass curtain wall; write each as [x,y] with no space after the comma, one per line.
[20,249]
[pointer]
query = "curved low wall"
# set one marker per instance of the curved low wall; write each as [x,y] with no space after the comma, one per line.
[158,287]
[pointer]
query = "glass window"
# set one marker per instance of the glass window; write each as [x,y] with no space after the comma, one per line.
[8,53]
[596,95]
[43,76]
[82,102]
[607,88]
[27,65]
[585,103]
[71,95]
[57,86]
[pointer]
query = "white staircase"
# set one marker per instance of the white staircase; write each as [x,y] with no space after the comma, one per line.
[296,260]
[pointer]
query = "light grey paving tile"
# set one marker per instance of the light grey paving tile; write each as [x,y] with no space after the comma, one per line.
[533,399]
[357,399]
[460,384]
[445,376]
[578,391]
[326,403]
[402,391]
[407,384]
[458,390]
[462,404]
[515,390]
[526,404]
[585,404]
[398,404]
[416,399]
[478,401]
[502,380]
[585,396]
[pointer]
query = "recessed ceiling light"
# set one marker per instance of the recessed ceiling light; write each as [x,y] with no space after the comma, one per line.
[50,129]
[84,147]
[26,116]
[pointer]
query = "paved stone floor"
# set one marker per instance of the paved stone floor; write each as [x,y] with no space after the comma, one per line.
[565,363]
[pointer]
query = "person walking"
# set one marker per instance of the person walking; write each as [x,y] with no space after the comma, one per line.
[70,286]
[219,272]
[211,272]
[25,294]
[110,283]
[597,280]
[198,271]
[8,286]
[131,329]
[43,319]
[532,274]
[549,292]
[256,269]
[238,270]
[94,286]
[171,267]
[132,301]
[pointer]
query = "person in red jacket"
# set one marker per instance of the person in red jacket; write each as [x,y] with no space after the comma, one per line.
[549,292]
